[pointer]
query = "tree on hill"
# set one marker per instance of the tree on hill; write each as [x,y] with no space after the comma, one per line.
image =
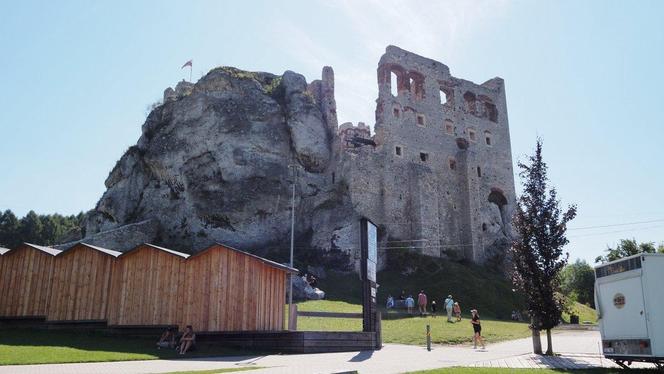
[537,251]
[628,247]
[577,281]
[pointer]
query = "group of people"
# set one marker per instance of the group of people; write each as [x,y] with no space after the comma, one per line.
[187,341]
[452,308]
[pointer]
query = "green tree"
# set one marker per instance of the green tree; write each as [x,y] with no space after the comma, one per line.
[537,251]
[31,228]
[9,227]
[626,248]
[47,229]
[577,282]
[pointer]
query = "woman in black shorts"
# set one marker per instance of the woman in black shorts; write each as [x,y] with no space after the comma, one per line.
[477,328]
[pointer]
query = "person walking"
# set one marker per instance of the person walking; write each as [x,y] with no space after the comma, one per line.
[422,303]
[449,306]
[410,304]
[457,311]
[433,308]
[477,329]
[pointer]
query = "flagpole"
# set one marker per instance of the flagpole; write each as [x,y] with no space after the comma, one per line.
[191,67]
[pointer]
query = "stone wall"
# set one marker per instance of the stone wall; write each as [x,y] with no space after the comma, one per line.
[440,179]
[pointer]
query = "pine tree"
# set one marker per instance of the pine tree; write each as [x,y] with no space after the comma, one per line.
[537,251]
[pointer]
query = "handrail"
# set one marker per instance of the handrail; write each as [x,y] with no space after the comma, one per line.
[329,314]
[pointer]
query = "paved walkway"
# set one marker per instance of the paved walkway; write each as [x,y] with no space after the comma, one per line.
[578,349]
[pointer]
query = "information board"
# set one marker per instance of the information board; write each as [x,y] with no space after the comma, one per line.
[369,247]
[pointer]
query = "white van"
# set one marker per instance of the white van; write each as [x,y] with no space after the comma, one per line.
[629,296]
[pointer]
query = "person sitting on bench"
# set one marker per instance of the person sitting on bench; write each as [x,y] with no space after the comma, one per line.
[188,340]
[167,339]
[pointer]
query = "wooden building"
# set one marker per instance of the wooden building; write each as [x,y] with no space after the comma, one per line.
[146,287]
[25,280]
[231,290]
[81,283]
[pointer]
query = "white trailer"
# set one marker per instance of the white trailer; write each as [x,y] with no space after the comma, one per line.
[629,296]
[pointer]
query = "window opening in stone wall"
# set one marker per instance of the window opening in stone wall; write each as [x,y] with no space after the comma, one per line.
[470,99]
[416,82]
[479,172]
[449,127]
[424,157]
[487,138]
[498,198]
[333,178]
[491,111]
[484,227]
[397,151]
[420,120]
[472,135]
[395,111]
[446,96]
[452,163]
[394,85]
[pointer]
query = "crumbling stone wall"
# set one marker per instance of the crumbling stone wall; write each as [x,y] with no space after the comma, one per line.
[440,179]
[212,165]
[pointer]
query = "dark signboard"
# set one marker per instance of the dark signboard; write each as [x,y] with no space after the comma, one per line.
[369,247]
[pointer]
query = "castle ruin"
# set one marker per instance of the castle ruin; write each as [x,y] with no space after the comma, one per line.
[212,165]
[440,177]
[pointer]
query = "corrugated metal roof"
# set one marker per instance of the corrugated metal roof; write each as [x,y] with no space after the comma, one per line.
[263,260]
[3,250]
[176,253]
[49,250]
[100,249]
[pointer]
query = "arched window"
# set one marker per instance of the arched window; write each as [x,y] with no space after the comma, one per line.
[498,198]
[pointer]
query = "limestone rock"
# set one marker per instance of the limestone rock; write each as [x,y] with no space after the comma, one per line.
[212,165]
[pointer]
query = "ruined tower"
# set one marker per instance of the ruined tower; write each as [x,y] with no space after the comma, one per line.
[440,179]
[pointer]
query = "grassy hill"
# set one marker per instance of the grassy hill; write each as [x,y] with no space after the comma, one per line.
[472,286]
[410,330]
[585,313]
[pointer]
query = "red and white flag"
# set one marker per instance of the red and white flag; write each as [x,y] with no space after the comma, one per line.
[188,63]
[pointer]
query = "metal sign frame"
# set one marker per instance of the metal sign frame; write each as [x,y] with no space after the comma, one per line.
[368,264]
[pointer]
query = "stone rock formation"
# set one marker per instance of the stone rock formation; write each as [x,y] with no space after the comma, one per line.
[213,164]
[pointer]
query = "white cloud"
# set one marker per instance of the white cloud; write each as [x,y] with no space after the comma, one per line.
[437,29]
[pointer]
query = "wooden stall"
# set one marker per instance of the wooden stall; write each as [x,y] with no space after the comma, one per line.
[25,281]
[145,287]
[81,283]
[230,290]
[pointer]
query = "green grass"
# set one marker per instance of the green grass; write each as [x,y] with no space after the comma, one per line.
[474,287]
[461,370]
[584,312]
[24,346]
[409,330]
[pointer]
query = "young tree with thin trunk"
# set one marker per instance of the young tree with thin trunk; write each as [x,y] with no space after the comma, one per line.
[537,251]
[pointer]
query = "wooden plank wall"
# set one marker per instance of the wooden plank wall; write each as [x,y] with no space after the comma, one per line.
[25,282]
[218,290]
[228,291]
[145,288]
[81,285]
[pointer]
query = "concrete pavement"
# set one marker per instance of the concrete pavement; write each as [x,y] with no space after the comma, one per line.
[577,349]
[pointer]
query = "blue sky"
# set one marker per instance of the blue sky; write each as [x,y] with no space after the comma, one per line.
[586,76]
